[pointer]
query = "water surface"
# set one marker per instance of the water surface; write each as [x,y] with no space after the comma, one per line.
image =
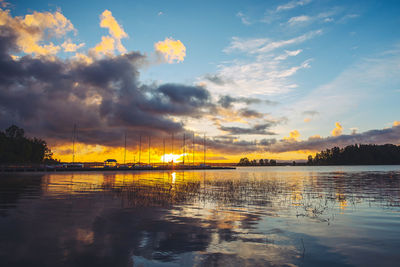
[263,216]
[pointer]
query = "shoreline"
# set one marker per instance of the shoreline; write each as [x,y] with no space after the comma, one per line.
[160,168]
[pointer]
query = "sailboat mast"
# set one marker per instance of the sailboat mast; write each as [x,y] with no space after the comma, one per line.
[140,147]
[193,148]
[204,145]
[184,149]
[125,150]
[73,144]
[172,148]
[172,144]
[149,150]
[163,160]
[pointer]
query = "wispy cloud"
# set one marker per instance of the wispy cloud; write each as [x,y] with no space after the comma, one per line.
[244,19]
[259,77]
[288,53]
[264,45]
[298,20]
[355,84]
[263,73]
[297,40]
[245,45]
[292,4]
[348,17]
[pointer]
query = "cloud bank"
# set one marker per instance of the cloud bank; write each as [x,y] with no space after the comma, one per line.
[102,94]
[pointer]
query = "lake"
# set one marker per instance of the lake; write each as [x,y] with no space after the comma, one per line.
[251,216]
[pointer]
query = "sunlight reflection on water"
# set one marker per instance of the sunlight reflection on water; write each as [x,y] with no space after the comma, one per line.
[250,216]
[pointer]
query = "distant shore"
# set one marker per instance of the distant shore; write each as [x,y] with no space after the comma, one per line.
[10,169]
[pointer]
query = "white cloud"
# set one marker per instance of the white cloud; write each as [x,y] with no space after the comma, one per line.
[288,54]
[245,45]
[348,17]
[245,20]
[298,20]
[262,77]
[341,98]
[292,4]
[265,45]
[297,40]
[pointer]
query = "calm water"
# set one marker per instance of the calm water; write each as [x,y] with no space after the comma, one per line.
[272,216]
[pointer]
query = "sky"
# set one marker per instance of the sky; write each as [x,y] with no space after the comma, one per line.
[278,79]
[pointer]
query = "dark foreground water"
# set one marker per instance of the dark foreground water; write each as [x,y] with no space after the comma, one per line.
[272,216]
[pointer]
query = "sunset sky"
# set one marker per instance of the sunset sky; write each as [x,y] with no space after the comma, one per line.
[275,79]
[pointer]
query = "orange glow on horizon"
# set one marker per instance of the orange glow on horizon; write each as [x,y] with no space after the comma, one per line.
[98,153]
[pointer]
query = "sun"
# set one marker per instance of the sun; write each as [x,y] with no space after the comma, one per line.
[172,157]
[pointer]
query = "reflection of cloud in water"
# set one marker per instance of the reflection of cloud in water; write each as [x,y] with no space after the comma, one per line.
[243,217]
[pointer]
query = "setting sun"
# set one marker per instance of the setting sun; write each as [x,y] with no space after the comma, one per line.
[172,157]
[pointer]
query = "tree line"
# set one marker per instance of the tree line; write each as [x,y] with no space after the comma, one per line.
[15,147]
[358,155]
[254,162]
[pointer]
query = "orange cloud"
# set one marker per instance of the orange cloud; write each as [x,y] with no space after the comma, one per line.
[110,43]
[106,46]
[396,123]
[109,22]
[293,136]
[32,29]
[83,58]
[71,47]
[173,51]
[338,129]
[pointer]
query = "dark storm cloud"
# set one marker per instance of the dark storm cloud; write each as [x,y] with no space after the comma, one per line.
[234,146]
[383,136]
[250,113]
[105,98]
[261,129]
[227,101]
[181,99]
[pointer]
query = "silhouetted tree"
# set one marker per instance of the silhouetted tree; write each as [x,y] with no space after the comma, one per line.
[244,162]
[358,155]
[310,160]
[16,148]
[272,162]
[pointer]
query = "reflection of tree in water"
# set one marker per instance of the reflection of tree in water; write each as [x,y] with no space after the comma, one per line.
[14,186]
